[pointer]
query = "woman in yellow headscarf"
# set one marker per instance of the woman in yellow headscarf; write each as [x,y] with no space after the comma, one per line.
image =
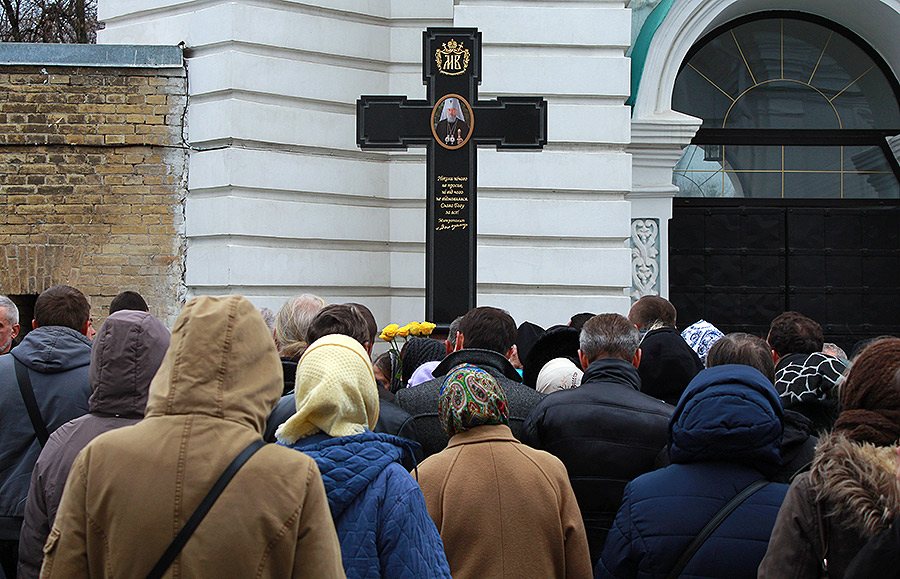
[378,509]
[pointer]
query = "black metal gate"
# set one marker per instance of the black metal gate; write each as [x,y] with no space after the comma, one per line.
[738,263]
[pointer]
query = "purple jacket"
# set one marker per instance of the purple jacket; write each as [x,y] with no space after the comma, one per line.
[125,355]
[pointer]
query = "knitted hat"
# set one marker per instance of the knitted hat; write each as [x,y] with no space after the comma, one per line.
[471,397]
[558,374]
[870,398]
[700,336]
[335,391]
[417,351]
[556,342]
[813,378]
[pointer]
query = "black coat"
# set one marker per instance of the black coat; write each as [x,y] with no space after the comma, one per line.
[422,401]
[289,370]
[394,420]
[879,558]
[607,433]
[668,364]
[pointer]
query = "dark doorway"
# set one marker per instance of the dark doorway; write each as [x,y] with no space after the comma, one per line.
[25,305]
[738,263]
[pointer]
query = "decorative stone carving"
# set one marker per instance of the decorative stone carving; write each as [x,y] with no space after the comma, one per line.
[644,258]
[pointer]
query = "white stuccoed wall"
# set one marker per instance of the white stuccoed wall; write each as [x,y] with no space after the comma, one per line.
[282,201]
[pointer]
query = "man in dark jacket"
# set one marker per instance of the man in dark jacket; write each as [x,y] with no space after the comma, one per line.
[668,363]
[127,353]
[55,356]
[485,339]
[606,431]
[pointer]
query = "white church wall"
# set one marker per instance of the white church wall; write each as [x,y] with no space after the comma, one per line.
[553,226]
[282,201]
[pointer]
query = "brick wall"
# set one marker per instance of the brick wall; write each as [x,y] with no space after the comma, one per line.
[92,183]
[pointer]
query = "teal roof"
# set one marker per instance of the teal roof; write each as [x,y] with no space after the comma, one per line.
[642,46]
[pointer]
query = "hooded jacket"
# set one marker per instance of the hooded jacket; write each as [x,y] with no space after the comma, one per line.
[856,484]
[126,353]
[58,360]
[724,435]
[132,489]
[378,509]
[606,432]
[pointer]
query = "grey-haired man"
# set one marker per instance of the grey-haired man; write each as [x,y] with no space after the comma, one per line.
[9,324]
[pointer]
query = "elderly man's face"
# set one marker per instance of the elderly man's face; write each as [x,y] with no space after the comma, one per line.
[7,332]
[451,112]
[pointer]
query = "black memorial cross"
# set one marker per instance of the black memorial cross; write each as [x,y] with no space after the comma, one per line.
[451,123]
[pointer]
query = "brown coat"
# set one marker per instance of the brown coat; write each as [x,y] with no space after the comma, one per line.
[504,509]
[859,497]
[132,489]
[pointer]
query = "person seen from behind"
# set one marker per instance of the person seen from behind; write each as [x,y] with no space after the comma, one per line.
[43,385]
[605,431]
[125,356]
[724,440]
[132,489]
[503,509]
[850,493]
[378,509]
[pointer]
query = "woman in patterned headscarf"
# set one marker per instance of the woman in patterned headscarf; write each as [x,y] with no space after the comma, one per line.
[503,509]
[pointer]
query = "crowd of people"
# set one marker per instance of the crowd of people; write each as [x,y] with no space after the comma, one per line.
[253,443]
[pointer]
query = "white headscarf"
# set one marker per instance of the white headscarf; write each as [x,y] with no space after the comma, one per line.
[558,374]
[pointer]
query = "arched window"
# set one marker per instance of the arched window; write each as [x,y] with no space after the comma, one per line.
[793,106]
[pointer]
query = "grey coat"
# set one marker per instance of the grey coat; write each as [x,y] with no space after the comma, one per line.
[57,359]
[422,401]
[126,355]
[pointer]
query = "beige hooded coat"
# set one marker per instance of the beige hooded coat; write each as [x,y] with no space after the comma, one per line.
[131,490]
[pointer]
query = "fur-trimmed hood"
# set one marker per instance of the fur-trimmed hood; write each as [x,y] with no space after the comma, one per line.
[858,481]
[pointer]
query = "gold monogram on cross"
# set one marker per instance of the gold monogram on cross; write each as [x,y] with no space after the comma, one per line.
[452,59]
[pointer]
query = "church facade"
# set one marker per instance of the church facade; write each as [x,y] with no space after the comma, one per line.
[282,201]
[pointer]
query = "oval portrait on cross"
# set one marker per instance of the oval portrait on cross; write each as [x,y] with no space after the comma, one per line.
[452,121]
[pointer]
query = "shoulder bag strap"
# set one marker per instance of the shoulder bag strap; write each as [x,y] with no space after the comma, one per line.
[34,412]
[712,525]
[188,529]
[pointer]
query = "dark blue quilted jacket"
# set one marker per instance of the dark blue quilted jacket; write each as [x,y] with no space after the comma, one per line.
[725,434]
[378,508]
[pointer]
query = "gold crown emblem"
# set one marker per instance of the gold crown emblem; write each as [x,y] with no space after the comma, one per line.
[452,59]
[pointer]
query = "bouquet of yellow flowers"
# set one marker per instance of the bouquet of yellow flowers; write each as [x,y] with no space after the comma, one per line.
[391,332]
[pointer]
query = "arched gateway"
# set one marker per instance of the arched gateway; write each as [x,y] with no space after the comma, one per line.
[789,193]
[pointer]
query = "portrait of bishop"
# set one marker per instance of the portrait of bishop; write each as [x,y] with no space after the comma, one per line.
[452,129]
